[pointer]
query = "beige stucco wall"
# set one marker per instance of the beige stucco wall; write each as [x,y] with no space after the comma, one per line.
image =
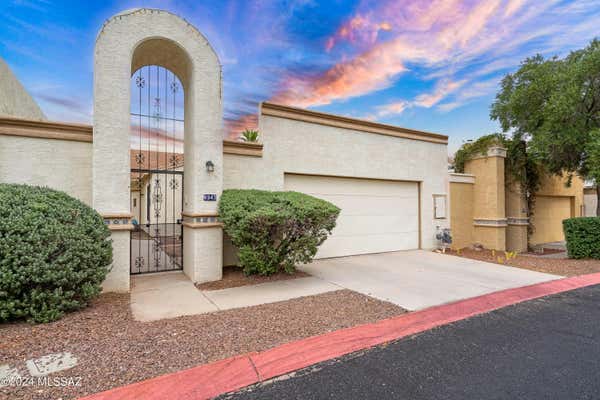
[461,214]
[14,99]
[293,146]
[547,219]
[553,185]
[590,199]
[517,217]
[60,164]
[555,201]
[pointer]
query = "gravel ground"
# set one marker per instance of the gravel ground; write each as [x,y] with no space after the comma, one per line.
[565,267]
[114,350]
[234,277]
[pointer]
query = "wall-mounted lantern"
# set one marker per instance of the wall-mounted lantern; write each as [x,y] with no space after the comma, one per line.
[210,167]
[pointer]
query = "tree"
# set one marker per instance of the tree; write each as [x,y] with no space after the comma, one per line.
[554,104]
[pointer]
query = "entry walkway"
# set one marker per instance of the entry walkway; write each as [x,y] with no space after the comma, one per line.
[172,294]
[419,279]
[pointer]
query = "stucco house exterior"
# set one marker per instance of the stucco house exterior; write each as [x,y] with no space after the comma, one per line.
[391,183]
[488,209]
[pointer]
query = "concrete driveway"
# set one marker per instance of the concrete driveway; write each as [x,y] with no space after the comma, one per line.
[419,279]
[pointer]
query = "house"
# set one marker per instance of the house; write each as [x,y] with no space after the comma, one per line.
[390,182]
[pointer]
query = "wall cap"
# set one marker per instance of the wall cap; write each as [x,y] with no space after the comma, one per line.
[316,117]
[85,133]
[491,152]
[517,221]
[242,148]
[494,223]
[45,129]
[455,177]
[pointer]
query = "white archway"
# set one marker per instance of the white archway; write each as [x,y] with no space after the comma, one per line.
[126,42]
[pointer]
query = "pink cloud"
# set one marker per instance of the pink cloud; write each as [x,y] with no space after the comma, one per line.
[436,34]
[365,73]
[426,100]
[513,6]
[442,90]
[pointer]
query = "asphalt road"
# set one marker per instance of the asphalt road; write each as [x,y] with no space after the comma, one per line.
[547,348]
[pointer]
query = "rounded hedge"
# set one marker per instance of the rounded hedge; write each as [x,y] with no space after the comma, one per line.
[583,237]
[275,231]
[54,253]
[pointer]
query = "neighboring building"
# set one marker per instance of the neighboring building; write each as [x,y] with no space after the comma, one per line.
[14,100]
[487,209]
[390,182]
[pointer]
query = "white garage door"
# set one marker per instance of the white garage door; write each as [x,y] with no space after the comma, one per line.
[377,215]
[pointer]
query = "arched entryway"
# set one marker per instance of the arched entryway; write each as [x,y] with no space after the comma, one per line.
[147,38]
[157,170]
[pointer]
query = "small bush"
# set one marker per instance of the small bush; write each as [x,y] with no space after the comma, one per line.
[54,253]
[583,237]
[274,231]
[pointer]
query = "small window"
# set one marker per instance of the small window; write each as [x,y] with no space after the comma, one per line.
[439,206]
[134,202]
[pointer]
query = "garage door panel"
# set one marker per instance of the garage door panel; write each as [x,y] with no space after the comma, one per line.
[337,246]
[376,215]
[322,185]
[363,205]
[379,224]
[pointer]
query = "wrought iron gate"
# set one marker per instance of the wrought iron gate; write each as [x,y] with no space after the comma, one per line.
[156,171]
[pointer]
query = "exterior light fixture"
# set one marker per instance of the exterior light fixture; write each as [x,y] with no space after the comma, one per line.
[210,167]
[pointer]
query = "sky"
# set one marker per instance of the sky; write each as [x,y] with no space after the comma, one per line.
[426,65]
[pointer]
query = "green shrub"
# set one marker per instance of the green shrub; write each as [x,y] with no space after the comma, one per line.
[54,253]
[275,230]
[583,237]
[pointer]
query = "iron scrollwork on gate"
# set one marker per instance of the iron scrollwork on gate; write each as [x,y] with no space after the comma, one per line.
[156,171]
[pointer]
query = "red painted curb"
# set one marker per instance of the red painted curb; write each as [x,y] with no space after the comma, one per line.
[209,380]
[202,382]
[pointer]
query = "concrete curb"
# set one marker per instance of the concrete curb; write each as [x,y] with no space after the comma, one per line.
[210,380]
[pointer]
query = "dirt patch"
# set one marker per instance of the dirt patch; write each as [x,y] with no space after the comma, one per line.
[234,277]
[557,266]
[114,350]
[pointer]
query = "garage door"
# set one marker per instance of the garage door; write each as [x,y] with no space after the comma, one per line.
[376,215]
[547,219]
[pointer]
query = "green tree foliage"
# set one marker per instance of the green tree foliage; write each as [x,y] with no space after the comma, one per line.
[554,104]
[54,253]
[274,231]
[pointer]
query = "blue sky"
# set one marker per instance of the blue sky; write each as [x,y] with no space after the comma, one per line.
[432,65]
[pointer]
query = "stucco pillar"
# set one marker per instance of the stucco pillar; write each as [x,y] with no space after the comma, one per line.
[461,209]
[516,216]
[489,212]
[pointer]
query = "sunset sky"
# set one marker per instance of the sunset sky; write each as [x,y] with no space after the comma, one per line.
[428,65]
